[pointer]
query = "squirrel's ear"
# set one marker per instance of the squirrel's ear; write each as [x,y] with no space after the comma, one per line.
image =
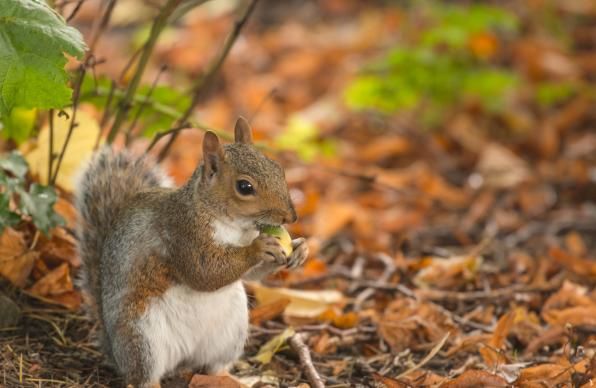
[242,131]
[212,154]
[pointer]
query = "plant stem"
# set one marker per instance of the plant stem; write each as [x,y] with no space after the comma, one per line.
[75,105]
[51,144]
[204,82]
[156,29]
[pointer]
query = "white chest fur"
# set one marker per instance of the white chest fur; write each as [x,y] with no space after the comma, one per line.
[202,329]
[236,233]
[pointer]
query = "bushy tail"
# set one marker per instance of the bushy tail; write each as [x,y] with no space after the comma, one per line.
[104,187]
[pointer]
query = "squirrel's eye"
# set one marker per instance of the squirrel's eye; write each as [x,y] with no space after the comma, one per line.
[244,187]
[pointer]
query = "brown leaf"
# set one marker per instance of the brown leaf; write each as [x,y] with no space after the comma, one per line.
[18,269]
[332,217]
[56,282]
[407,323]
[12,244]
[268,311]
[490,353]
[60,248]
[384,147]
[71,300]
[203,381]
[579,265]
[67,211]
[476,378]
[579,315]
[545,375]
[388,382]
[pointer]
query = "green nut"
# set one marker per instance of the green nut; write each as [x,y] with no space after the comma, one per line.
[280,233]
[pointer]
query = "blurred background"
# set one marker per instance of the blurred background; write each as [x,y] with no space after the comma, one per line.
[441,156]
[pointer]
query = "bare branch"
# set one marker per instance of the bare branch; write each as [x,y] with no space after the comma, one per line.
[297,344]
[204,82]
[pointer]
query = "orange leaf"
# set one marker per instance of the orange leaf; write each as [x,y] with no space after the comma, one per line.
[545,375]
[490,353]
[202,381]
[268,311]
[17,270]
[388,382]
[483,45]
[12,244]
[476,378]
[578,265]
[56,282]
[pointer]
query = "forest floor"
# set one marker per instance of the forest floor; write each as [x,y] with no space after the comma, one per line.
[462,255]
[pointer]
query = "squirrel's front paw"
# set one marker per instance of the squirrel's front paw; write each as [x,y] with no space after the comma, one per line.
[269,250]
[299,254]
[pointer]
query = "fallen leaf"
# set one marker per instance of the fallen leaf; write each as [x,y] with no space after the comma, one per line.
[60,248]
[339,319]
[18,269]
[268,311]
[544,375]
[476,378]
[384,147]
[57,282]
[12,244]
[490,353]
[579,315]
[303,303]
[501,168]
[80,147]
[204,381]
[66,209]
[332,217]
[578,265]
[447,273]
[272,346]
[388,382]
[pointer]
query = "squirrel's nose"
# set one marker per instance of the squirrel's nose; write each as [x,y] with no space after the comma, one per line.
[290,216]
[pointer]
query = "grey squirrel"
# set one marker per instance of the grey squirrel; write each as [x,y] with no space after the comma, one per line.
[163,267]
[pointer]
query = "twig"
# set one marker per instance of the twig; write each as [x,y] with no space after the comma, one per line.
[75,10]
[144,103]
[297,344]
[51,144]
[100,25]
[156,29]
[426,359]
[204,82]
[159,135]
[75,105]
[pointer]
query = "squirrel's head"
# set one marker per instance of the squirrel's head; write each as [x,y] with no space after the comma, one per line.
[245,183]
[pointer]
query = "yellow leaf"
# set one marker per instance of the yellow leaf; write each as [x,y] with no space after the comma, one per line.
[80,147]
[272,346]
[303,304]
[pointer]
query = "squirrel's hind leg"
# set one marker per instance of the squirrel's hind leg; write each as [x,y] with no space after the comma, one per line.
[133,357]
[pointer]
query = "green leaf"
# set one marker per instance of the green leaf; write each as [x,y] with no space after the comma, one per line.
[7,217]
[18,125]
[15,164]
[39,204]
[33,40]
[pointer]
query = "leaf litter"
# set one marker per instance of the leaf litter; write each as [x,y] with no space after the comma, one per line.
[461,257]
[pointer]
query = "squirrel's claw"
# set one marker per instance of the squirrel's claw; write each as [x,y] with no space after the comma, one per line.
[299,254]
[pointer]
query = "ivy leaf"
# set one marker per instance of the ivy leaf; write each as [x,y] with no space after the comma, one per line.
[15,164]
[33,40]
[39,204]
[7,217]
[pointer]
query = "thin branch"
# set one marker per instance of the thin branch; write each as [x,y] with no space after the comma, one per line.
[75,105]
[144,104]
[156,29]
[51,144]
[297,344]
[426,359]
[101,24]
[159,135]
[75,11]
[204,82]
[106,112]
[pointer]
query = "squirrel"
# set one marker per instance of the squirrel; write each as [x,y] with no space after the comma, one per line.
[162,267]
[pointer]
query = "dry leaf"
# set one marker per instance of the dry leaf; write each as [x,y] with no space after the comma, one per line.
[545,375]
[12,244]
[579,265]
[303,304]
[56,282]
[447,273]
[60,248]
[332,217]
[501,168]
[388,382]
[272,346]
[490,353]
[203,381]
[268,311]
[18,269]
[476,378]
